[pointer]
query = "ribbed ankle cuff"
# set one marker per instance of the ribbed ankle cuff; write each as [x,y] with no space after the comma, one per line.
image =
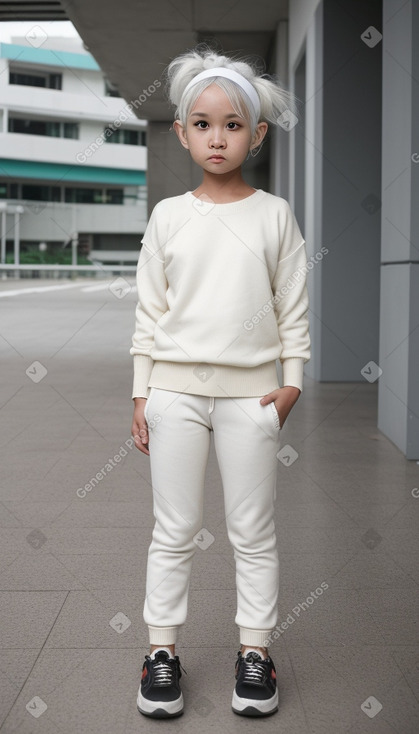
[254,638]
[162,635]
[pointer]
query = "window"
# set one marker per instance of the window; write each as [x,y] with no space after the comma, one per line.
[40,79]
[50,128]
[124,136]
[29,80]
[114,196]
[93,196]
[34,127]
[30,192]
[130,137]
[35,192]
[55,81]
[72,194]
[83,196]
[110,89]
[71,130]
[8,190]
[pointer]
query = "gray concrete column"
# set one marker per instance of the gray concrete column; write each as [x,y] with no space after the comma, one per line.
[398,404]
[170,168]
[342,186]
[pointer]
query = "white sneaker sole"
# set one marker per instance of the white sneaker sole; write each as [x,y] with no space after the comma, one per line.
[254,707]
[159,709]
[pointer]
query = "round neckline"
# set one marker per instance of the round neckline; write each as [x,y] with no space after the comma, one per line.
[229,206]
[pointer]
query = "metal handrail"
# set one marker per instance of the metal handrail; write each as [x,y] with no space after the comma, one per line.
[91,268]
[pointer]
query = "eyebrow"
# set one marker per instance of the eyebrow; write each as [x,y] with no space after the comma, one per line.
[204,114]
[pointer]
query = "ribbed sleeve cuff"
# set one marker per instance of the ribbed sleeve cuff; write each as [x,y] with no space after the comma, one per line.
[292,372]
[143,366]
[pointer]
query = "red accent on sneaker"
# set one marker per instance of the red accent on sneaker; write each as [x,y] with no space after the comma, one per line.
[273,674]
[144,673]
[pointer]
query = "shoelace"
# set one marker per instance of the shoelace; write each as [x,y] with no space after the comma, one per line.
[254,672]
[163,673]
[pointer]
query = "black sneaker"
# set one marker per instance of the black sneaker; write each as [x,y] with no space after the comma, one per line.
[159,694]
[255,693]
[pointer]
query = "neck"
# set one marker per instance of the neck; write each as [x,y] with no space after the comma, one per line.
[224,187]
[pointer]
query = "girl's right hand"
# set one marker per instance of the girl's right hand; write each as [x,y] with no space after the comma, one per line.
[139,428]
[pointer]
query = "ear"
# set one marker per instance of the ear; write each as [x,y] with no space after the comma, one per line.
[180,132]
[260,132]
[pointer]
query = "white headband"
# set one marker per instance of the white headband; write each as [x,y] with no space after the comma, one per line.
[235,77]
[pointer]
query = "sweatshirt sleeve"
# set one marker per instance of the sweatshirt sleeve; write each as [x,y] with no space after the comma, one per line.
[291,301]
[152,303]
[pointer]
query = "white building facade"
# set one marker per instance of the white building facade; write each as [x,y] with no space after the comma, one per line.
[73,158]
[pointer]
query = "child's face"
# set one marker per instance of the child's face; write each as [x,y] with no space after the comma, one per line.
[214,128]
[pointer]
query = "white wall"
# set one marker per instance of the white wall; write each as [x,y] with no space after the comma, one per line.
[86,81]
[4,77]
[47,149]
[90,129]
[59,104]
[57,221]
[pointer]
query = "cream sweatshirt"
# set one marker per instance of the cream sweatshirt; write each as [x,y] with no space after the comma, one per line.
[221,296]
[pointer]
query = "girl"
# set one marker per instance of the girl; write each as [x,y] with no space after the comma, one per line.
[221,296]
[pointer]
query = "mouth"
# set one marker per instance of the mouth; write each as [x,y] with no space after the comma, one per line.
[216,158]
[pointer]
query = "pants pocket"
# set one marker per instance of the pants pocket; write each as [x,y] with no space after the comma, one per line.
[275,416]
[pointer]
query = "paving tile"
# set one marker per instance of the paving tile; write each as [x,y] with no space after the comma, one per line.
[84,620]
[40,571]
[28,617]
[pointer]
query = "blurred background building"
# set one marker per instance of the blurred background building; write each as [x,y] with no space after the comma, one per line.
[73,156]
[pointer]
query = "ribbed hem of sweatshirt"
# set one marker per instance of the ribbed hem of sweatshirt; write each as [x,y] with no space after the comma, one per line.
[292,372]
[162,635]
[215,380]
[254,638]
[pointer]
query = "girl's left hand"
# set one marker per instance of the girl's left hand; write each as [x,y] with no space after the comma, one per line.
[284,399]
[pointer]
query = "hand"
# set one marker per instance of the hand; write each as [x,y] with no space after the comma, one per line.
[139,428]
[284,399]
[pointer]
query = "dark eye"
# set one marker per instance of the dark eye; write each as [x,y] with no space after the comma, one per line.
[233,123]
[201,122]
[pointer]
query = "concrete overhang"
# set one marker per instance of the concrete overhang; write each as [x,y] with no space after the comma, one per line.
[12,10]
[134,40]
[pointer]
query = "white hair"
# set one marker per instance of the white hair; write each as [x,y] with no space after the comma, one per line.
[274,99]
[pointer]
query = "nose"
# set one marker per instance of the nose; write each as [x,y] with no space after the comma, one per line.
[217,139]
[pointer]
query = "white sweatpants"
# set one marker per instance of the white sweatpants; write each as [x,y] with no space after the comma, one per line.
[246,441]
